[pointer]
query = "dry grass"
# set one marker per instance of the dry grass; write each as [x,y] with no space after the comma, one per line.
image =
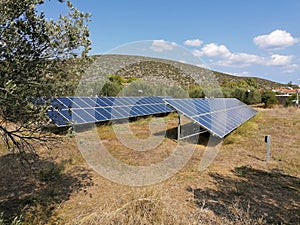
[239,187]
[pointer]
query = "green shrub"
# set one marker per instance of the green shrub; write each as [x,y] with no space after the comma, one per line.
[138,88]
[215,92]
[110,89]
[196,92]
[240,93]
[116,79]
[269,99]
[177,92]
[253,96]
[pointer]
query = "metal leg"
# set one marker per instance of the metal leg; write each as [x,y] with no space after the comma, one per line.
[179,126]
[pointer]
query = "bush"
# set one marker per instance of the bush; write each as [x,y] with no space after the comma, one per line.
[196,92]
[253,96]
[110,89]
[177,92]
[138,88]
[289,101]
[269,99]
[227,92]
[116,79]
[248,96]
[251,82]
[240,94]
[214,92]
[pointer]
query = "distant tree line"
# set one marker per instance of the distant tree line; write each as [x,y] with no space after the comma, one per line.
[116,85]
[245,90]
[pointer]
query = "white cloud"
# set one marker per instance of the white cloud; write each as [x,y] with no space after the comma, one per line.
[227,57]
[279,60]
[162,45]
[203,65]
[240,59]
[245,74]
[274,40]
[242,74]
[197,53]
[214,50]
[193,42]
[245,60]
[291,68]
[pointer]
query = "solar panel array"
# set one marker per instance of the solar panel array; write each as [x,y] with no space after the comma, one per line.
[219,116]
[66,111]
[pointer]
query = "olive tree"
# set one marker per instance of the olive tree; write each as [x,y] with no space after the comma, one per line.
[37,58]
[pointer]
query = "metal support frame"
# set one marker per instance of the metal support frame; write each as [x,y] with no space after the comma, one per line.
[179,130]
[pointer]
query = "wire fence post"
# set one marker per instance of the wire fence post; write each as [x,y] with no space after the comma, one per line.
[268,141]
[179,127]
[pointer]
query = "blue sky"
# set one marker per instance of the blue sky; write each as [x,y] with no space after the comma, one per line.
[258,38]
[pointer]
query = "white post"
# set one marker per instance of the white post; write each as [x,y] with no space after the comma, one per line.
[179,127]
[268,141]
[297,99]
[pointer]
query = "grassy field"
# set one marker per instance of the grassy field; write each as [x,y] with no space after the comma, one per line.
[239,187]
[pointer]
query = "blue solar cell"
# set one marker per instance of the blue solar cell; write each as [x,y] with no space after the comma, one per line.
[81,116]
[68,102]
[142,109]
[219,116]
[102,102]
[185,106]
[120,101]
[161,108]
[120,112]
[79,103]
[155,108]
[131,100]
[204,122]
[98,116]
[202,107]
[215,125]
[67,113]
[103,113]
[79,110]
[90,101]
[134,111]
[58,119]
[84,102]
[146,100]
[116,113]
[62,103]
[126,101]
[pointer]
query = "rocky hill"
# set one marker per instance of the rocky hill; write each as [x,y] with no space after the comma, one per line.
[161,70]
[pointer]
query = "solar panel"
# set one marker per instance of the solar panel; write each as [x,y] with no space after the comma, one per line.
[65,111]
[219,116]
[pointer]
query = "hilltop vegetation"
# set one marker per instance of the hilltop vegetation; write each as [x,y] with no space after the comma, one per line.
[179,73]
[119,75]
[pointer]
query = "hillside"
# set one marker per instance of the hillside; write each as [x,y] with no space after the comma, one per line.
[162,70]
